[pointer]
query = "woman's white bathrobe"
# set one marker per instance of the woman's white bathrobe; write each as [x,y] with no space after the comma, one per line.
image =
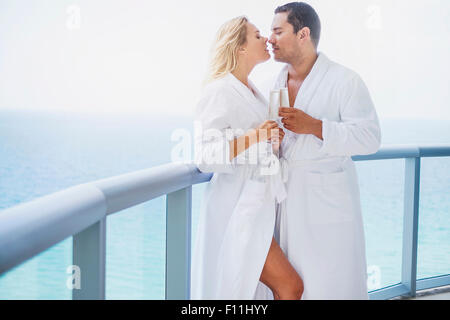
[237,218]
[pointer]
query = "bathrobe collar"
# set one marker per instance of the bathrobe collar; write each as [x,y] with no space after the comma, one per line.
[256,102]
[310,84]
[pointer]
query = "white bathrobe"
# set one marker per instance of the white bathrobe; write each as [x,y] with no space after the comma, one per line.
[237,218]
[319,226]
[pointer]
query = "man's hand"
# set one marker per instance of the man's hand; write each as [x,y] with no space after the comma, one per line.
[297,121]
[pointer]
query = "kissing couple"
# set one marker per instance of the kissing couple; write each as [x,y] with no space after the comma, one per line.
[297,234]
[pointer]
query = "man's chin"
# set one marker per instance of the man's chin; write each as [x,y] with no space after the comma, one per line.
[278,59]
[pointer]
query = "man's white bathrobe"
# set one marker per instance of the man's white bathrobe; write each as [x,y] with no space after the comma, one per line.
[319,226]
[237,218]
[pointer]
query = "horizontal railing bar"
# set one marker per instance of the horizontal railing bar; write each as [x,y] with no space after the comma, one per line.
[389,292]
[435,151]
[131,189]
[433,282]
[390,152]
[32,227]
[400,289]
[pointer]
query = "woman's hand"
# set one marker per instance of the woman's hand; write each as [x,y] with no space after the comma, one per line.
[267,131]
[277,139]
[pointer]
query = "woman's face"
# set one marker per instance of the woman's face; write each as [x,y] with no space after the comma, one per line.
[256,46]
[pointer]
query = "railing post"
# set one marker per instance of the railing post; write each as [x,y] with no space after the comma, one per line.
[411,224]
[89,254]
[178,244]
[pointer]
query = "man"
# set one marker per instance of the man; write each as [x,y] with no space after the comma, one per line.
[331,117]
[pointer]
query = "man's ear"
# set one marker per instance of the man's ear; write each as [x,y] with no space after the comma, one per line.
[304,33]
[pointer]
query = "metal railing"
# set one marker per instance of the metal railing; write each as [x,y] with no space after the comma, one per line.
[81,211]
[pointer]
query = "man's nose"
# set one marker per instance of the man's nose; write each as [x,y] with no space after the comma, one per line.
[272,39]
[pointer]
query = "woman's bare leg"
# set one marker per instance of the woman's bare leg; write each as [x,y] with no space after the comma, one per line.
[279,275]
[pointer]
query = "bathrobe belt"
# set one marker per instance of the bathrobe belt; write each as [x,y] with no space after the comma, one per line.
[278,181]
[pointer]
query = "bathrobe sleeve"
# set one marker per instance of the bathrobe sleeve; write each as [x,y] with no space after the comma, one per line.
[212,131]
[358,132]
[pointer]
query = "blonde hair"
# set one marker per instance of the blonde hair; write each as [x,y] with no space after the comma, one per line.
[230,37]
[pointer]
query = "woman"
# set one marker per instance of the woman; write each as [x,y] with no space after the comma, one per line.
[235,255]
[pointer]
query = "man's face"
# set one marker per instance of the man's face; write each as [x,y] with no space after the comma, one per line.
[283,39]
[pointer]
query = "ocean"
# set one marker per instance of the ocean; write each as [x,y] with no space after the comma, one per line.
[44,152]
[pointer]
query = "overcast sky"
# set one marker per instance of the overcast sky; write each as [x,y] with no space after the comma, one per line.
[148,56]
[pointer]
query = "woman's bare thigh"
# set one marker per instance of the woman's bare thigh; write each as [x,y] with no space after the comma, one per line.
[278,273]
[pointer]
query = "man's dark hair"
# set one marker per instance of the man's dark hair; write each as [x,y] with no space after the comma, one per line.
[302,15]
